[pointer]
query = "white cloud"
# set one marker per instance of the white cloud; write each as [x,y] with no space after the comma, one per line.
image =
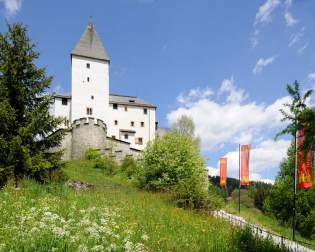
[222,121]
[262,63]
[311,76]
[264,12]
[234,95]
[193,95]
[229,121]
[289,19]
[265,157]
[11,6]
[302,49]
[296,37]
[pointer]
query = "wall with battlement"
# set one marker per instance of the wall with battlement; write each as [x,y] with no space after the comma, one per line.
[88,133]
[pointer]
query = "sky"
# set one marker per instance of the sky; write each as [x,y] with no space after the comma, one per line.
[224,63]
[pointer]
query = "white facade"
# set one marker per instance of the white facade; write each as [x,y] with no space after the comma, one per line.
[133,125]
[127,118]
[89,88]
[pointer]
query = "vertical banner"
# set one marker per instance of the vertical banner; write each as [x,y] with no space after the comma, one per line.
[223,164]
[245,150]
[304,164]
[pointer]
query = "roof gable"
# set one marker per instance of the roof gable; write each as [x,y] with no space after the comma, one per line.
[90,45]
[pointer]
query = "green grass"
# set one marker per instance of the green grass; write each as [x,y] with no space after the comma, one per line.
[36,217]
[112,216]
[255,216]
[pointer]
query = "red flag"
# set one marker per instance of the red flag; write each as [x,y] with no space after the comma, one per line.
[245,149]
[223,164]
[305,164]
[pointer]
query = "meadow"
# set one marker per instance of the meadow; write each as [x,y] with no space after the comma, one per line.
[112,216]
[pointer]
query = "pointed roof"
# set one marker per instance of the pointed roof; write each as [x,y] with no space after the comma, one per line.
[90,45]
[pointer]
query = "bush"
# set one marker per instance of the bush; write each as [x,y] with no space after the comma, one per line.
[173,163]
[107,164]
[92,154]
[259,192]
[129,166]
[245,240]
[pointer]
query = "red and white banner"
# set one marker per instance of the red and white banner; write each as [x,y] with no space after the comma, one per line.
[223,165]
[305,164]
[245,150]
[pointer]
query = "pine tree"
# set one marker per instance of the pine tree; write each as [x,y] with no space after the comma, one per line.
[27,130]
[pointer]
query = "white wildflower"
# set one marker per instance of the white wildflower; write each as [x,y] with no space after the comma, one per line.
[97,248]
[144,237]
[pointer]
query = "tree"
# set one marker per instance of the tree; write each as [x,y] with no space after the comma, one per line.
[279,200]
[300,116]
[185,126]
[27,130]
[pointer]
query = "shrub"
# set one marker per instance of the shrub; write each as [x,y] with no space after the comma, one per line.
[92,154]
[173,163]
[106,163]
[245,240]
[259,192]
[129,166]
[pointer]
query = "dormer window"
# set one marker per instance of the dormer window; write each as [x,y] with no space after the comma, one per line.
[88,65]
[64,101]
[131,101]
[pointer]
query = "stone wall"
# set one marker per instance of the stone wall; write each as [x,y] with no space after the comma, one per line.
[91,133]
[88,133]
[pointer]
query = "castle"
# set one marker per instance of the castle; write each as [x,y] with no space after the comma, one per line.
[94,117]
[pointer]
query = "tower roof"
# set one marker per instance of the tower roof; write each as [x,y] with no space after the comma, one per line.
[90,45]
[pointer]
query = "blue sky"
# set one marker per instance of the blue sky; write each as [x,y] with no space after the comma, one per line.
[224,63]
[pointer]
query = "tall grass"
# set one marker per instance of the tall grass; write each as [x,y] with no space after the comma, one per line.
[113,216]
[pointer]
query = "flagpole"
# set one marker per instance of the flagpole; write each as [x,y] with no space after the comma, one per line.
[294,188]
[239,178]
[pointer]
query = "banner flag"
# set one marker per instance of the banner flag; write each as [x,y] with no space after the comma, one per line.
[223,164]
[245,150]
[305,164]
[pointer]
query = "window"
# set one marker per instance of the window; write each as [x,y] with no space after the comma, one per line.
[92,97]
[64,101]
[126,136]
[115,106]
[142,124]
[88,79]
[132,124]
[139,140]
[89,111]
[113,137]
[131,100]
[116,122]
[126,108]
[88,65]
[145,111]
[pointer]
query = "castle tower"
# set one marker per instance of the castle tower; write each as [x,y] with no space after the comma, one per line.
[89,77]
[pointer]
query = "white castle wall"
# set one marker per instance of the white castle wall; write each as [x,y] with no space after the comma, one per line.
[124,118]
[82,90]
[62,110]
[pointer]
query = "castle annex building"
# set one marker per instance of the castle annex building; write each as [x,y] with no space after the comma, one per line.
[93,115]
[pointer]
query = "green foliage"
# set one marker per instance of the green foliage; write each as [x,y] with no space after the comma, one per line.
[104,162]
[245,240]
[107,163]
[129,166]
[92,154]
[259,192]
[173,163]
[279,203]
[27,130]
